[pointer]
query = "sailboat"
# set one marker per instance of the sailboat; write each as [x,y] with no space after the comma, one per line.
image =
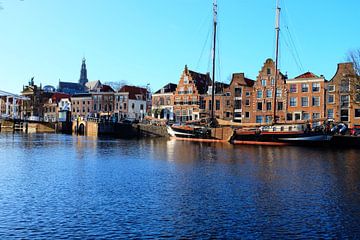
[201,130]
[281,134]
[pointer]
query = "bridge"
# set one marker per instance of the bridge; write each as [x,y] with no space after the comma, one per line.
[11,102]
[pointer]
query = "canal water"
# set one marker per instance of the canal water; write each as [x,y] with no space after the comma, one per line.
[60,186]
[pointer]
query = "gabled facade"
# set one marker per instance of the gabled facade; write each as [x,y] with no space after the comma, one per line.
[52,108]
[343,99]
[162,102]
[263,95]
[306,98]
[240,98]
[187,95]
[130,103]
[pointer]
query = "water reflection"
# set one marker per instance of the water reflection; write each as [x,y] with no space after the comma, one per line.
[82,187]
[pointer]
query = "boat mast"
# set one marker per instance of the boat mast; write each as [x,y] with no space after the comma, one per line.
[277,30]
[213,62]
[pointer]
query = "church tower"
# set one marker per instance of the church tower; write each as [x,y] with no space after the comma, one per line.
[83,73]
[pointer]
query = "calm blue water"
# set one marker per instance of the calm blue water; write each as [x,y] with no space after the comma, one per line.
[58,186]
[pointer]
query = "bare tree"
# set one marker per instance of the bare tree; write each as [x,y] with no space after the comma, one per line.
[353,56]
[117,85]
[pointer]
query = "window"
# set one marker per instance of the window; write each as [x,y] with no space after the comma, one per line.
[263,82]
[268,119]
[268,93]
[259,119]
[331,88]
[237,104]
[316,101]
[259,106]
[268,106]
[278,92]
[315,116]
[344,115]
[293,102]
[268,71]
[238,92]
[330,113]
[293,88]
[186,100]
[297,116]
[247,114]
[306,116]
[227,102]
[280,106]
[344,101]
[190,91]
[210,105]
[316,87]
[247,94]
[357,113]
[247,102]
[304,101]
[272,82]
[202,103]
[217,102]
[186,79]
[124,106]
[132,106]
[331,98]
[344,85]
[259,94]
[141,107]
[304,87]
[95,107]
[289,117]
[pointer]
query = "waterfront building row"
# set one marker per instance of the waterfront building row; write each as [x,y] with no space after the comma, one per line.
[305,98]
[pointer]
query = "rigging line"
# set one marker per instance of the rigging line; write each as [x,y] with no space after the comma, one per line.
[289,26]
[292,52]
[203,48]
[296,51]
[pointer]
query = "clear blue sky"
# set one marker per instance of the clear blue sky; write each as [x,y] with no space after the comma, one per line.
[144,41]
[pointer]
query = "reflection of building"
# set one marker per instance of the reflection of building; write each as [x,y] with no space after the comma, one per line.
[73,88]
[34,108]
[162,102]
[343,98]
[187,95]
[130,103]
[306,97]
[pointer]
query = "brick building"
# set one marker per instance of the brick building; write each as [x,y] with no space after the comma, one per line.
[343,98]
[263,95]
[187,95]
[306,98]
[163,101]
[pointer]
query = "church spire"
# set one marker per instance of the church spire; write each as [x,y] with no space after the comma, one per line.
[83,73]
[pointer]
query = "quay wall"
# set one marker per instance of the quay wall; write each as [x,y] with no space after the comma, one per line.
[151,130]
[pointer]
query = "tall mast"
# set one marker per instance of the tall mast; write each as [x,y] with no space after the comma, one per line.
[213,62]
[277,30]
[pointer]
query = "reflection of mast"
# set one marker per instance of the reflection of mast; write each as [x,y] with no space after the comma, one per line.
[277,29]
[213,62]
